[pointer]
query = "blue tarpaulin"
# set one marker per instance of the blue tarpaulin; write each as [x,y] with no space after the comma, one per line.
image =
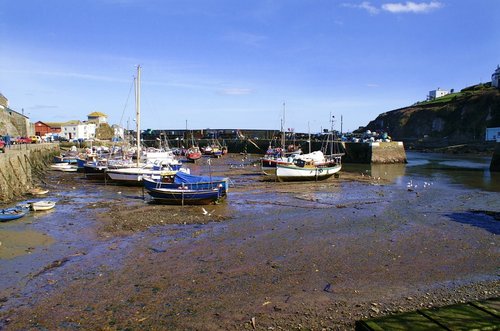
[184,178]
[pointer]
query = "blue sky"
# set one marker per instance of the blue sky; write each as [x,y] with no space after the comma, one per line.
[232,64]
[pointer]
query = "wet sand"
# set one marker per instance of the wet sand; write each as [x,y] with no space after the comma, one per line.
[272,256]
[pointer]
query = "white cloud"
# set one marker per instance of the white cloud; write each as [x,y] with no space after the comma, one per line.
[411,7]
[365,5]
[236,91]
[397,7]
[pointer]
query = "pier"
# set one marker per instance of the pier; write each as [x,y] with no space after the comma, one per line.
[21,166]
[373,152]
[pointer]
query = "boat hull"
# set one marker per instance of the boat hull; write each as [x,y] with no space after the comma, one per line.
[134,176]
[193,157]
[92,171]
[222,184]
[11,214]
[65,167]
[42,205]
[185,196]
[287,173]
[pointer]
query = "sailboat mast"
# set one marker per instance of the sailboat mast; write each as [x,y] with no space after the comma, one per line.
[309,131]
[138,112]
[283,130]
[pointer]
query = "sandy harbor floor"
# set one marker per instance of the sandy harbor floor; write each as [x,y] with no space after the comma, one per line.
[272,256]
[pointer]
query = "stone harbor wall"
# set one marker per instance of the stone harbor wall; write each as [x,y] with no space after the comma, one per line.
[22,166]
[495,160]
[375,152]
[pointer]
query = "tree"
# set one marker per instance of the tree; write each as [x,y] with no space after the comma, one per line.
[104,132]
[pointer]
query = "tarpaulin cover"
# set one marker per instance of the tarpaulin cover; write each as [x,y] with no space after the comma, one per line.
[182,177]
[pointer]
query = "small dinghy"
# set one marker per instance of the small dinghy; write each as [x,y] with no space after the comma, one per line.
[42,205]
[38,191]
[10,214]
[66,167]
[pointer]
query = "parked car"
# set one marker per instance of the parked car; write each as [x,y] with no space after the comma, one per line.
[23,140]
[35,139]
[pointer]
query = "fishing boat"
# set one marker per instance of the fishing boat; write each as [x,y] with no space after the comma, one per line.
[158,161]
[279,155]
[42,205]
[193,153]
[95,169]
[207,150]
[276,156]
[216,150]
[191,182]
[308,170]
[10,214]
[135,175]
[314,166]
[184,196]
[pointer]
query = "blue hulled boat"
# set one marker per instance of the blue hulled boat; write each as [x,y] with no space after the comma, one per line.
[184,196]
[188,181]
[10,214]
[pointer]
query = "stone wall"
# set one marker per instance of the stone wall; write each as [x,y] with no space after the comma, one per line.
[379,153]
[374,153]
[22,167]
[14,123]
[495,160]
[388,152]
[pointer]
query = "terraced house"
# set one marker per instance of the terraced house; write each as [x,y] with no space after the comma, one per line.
[13,122]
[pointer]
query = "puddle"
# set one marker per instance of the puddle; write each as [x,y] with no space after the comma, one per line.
[15,243]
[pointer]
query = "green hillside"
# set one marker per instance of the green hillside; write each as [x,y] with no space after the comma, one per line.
[458,117]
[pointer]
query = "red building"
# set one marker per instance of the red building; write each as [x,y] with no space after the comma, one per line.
[42,129]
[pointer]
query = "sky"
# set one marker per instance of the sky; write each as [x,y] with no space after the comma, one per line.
[240,64]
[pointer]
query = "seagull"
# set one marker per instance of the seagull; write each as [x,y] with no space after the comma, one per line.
[205,212]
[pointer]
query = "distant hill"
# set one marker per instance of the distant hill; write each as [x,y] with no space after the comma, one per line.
[455,118]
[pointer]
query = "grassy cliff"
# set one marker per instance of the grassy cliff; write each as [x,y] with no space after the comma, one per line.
[453,119]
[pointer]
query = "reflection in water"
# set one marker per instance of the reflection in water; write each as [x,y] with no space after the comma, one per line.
[469,170]
[388,172]
[14,243]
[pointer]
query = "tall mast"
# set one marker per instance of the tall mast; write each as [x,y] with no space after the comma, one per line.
[138,112]
[309,131]
[331,146]
[283,130]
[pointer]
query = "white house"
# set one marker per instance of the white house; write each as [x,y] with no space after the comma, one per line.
[493,134]
[97,117]
[78,130]
[437,94]
[119,132]
[495,78]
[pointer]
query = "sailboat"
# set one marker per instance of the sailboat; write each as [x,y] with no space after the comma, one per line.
[279,155]
[157,168]
[314,166]
[193,153]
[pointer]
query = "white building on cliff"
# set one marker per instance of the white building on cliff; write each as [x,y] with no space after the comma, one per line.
[434,94]
[495,78]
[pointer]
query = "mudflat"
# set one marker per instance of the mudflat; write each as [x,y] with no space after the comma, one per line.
[272,256]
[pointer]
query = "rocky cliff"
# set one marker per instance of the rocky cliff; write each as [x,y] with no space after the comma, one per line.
[458,117]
